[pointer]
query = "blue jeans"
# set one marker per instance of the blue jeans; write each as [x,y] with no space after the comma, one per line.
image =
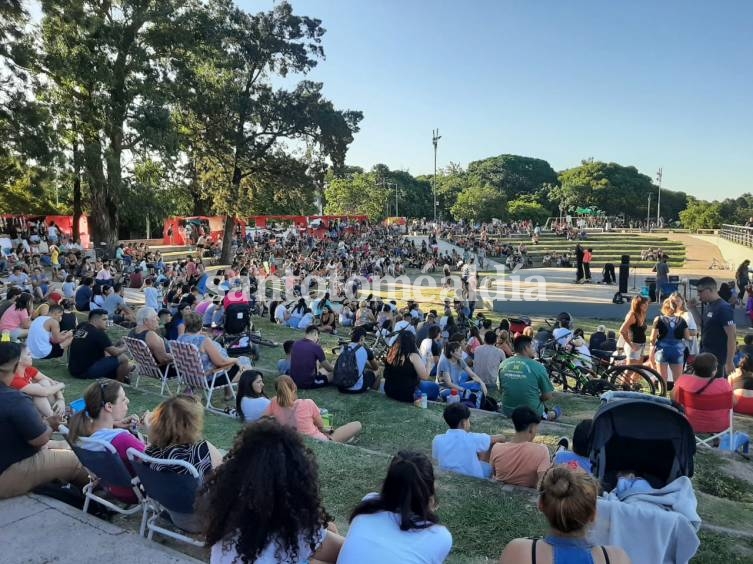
[431,389]
[464,382]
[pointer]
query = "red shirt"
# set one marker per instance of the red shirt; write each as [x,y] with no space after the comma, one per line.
[20,382]
[702,420]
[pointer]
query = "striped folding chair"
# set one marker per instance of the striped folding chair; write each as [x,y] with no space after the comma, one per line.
[192,375]
[146,365]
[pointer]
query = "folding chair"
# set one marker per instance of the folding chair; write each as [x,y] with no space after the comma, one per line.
[191,372]
[106,469]
[146,364]
[708,402]
[167,489]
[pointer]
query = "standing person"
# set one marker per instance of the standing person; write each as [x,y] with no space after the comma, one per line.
[718,333]
[578,264]
[567,498]
[662,278]
[92,353]
[667,344]
[399,524]
[587,258]
[742,278]
[304,415]
[633,331]
[28,458]
[263,503]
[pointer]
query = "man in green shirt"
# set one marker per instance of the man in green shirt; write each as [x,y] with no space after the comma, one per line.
[524,381]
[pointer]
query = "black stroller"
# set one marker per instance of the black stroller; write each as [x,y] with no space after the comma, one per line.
[646,435]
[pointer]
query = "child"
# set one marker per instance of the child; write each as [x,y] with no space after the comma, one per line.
[461,451]
[283,365]
[69,320]
[46,393]
[579,454]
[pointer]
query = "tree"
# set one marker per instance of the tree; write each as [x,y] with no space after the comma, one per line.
[701,215]
[526,207]
[358,194]
[479,203]
[246,124]
[512,174]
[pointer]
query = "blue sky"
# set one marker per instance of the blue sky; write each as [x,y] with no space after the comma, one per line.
[652,84]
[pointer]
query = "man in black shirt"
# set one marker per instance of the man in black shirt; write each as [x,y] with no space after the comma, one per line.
[92,354]
[27,456]
[717,324]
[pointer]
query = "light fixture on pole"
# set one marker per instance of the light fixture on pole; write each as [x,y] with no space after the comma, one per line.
[658,201]
[435,137]
[648,213]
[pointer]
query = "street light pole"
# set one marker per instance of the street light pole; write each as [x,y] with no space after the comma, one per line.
[648,214]
[658,201]
[435,137]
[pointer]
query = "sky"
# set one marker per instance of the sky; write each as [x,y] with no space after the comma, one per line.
[651,84]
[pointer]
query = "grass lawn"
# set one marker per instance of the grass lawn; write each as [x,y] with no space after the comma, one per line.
[482,516]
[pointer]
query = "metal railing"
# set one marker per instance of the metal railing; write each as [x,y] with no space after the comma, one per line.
[737,234]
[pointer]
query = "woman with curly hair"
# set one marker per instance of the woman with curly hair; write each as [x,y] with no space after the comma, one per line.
[263,504]
[399,524]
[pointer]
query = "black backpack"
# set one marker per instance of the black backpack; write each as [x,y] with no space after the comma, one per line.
[346,372]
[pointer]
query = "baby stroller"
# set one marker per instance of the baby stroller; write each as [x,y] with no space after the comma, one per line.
[645,435]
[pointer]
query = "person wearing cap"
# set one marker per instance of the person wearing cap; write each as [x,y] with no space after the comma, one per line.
[520,461]
[597,342]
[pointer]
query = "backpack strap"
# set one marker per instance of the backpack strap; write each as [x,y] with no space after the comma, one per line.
[533,551]
[606,554]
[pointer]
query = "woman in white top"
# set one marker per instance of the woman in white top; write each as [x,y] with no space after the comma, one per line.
[263,503]
[384,529]
[251,401]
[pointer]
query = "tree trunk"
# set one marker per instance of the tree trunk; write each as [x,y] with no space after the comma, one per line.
[76,188]
[229,232]
[102,228]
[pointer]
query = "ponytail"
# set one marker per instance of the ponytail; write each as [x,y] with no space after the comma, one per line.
[285,388]
[95,397]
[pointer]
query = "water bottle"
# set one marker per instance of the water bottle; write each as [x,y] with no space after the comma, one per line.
[5,338]
[453,397]
[424,401]
[418,398]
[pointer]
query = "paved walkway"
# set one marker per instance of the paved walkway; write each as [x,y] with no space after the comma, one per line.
[36,530]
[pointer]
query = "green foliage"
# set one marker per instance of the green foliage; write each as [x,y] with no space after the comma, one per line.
[526,207]
[701,215]
[512,175]
[479,203]
[357,194]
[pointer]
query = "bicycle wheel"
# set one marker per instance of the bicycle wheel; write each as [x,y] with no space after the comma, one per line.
[637,378]
[259,340]
[565,376]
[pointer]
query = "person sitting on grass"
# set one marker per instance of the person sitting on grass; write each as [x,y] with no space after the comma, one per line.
[524,381]
[308,365]
[46,393]
[405,372]
[263,504]
[399,524]
[29,458]
[579,454]
[567,498]
[17,319]
[303,414]
[283,365]
[250,401]
[92,353]
[520,461]
[366,364]
[46,339]
[455,374]
[461,451]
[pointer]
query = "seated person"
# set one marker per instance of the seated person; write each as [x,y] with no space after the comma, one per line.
[283,365]
[46,339]
[461,451]
[308,365]
[579,454]
[567,498]
[328,321]
[524,381]
[366,365]
[405,373]
[281,314]
[346,316]
[93,356]
[520,461]
[176,429]
[46,393]
[454,373]
[116,306]
[703,382]
[29,459]
[147,324]
[84,294]
[304,416]
[307,320]
[106,419]
[597,340]
[17,318]
[250,401]
[487,359]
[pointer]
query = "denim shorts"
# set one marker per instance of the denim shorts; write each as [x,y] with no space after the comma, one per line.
[670,353]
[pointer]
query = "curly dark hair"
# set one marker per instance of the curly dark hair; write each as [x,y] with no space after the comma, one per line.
[267,489]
